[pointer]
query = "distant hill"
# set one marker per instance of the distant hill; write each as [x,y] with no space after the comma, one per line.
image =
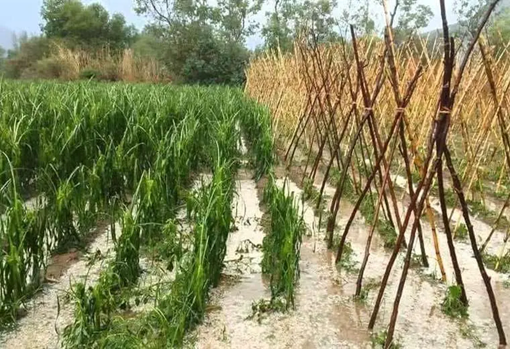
[457,30]
[6,38]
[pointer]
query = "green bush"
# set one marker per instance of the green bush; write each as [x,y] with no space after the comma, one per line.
[21,62]
[108,72]
[48,68]
[90,74]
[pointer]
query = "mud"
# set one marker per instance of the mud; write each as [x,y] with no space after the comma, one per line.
[314,324]
[50,312]
[327,316]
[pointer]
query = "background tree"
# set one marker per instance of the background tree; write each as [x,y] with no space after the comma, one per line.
[318,17]
[362,15]
[85,26]
[202,43]
[22,60]
[236,20]
[278,31]
[499,31]
[468,14]
[290,19]
[411,17]
[3,56]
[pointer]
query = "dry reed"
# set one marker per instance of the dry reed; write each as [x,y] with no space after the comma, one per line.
[109,65]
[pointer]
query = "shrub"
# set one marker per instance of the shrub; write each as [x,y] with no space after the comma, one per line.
[109,72]
[48,68]
[22,60]
[90,73]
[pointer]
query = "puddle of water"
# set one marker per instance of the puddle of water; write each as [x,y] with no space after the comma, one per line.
[244,244]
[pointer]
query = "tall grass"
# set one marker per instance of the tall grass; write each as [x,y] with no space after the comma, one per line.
[109,65]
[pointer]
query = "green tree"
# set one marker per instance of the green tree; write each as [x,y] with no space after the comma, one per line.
[277,31]
[235,18]
[411,18]
[317,17]
[499,31]
[201,43]
[85,26]
[148,45]
[290,19]
[468,14]
[361,15]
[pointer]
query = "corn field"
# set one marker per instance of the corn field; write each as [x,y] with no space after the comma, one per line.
[354,195]
[156,168]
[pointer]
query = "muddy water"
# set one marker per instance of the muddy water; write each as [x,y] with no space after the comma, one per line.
[317,321]
[480,321]
[419,322]
[326,315]
[42,325]
[242,283]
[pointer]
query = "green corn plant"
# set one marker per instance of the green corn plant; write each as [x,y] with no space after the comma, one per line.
[22,251]
[281,245]
[64,230]
[92,312]
[127,251]
[86,148]
[256,124]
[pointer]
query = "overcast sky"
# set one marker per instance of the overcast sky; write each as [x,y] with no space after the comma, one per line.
[24,15]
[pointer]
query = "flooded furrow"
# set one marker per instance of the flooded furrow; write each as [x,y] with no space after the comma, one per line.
[421,322]
[420,316]
[227,323]
[317,321]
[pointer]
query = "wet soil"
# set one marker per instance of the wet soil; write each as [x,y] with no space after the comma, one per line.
[50,311]
[327,315]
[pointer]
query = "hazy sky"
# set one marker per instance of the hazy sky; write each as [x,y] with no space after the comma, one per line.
[24,15]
